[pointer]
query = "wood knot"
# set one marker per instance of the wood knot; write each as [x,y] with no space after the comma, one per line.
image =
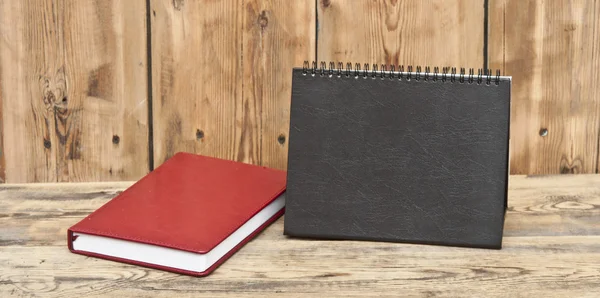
[574,205]
[199,134]
[53,89]
[325,3]
[570,166]
[568,170]
[178,4]
[281,139]
[263,20]
[49,98]
[570,27]
[116,139]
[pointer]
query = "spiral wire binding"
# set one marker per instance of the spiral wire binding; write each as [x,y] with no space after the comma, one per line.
[383,71]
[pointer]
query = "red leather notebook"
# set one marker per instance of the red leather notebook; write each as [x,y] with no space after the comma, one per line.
[187,216]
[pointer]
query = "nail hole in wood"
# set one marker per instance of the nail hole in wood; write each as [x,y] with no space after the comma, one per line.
[116,139]
[543,132]
[281,139]
[199,134]
[47,144]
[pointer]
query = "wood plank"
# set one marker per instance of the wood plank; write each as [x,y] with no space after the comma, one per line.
[2,158]
[221,76]
[538,207]
[553,206]
[196,74]
[74,90]
[551,249]
[278,35]
[433,32]
[40,214]
[552,50]
[537,266]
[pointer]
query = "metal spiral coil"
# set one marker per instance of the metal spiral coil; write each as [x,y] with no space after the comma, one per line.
[383,71]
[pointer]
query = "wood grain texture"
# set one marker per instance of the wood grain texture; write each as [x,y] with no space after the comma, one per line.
[433,32]
[222,76]
[2,158]
[552,51]
[278,35]
[197,71]
[73,90]
[551,249]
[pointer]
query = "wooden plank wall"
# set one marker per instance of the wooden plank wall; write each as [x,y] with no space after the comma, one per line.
[76,103]
[435,33]
[552,50]
[222,79]
[73,78]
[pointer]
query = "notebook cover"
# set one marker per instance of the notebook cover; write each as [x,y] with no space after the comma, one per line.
[190,203]
[418,161]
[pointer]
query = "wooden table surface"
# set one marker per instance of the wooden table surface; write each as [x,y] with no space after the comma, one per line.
[551,248]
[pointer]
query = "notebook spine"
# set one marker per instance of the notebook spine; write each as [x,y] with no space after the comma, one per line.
[383,71]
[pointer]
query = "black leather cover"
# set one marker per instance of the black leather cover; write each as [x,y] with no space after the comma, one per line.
[404,161]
